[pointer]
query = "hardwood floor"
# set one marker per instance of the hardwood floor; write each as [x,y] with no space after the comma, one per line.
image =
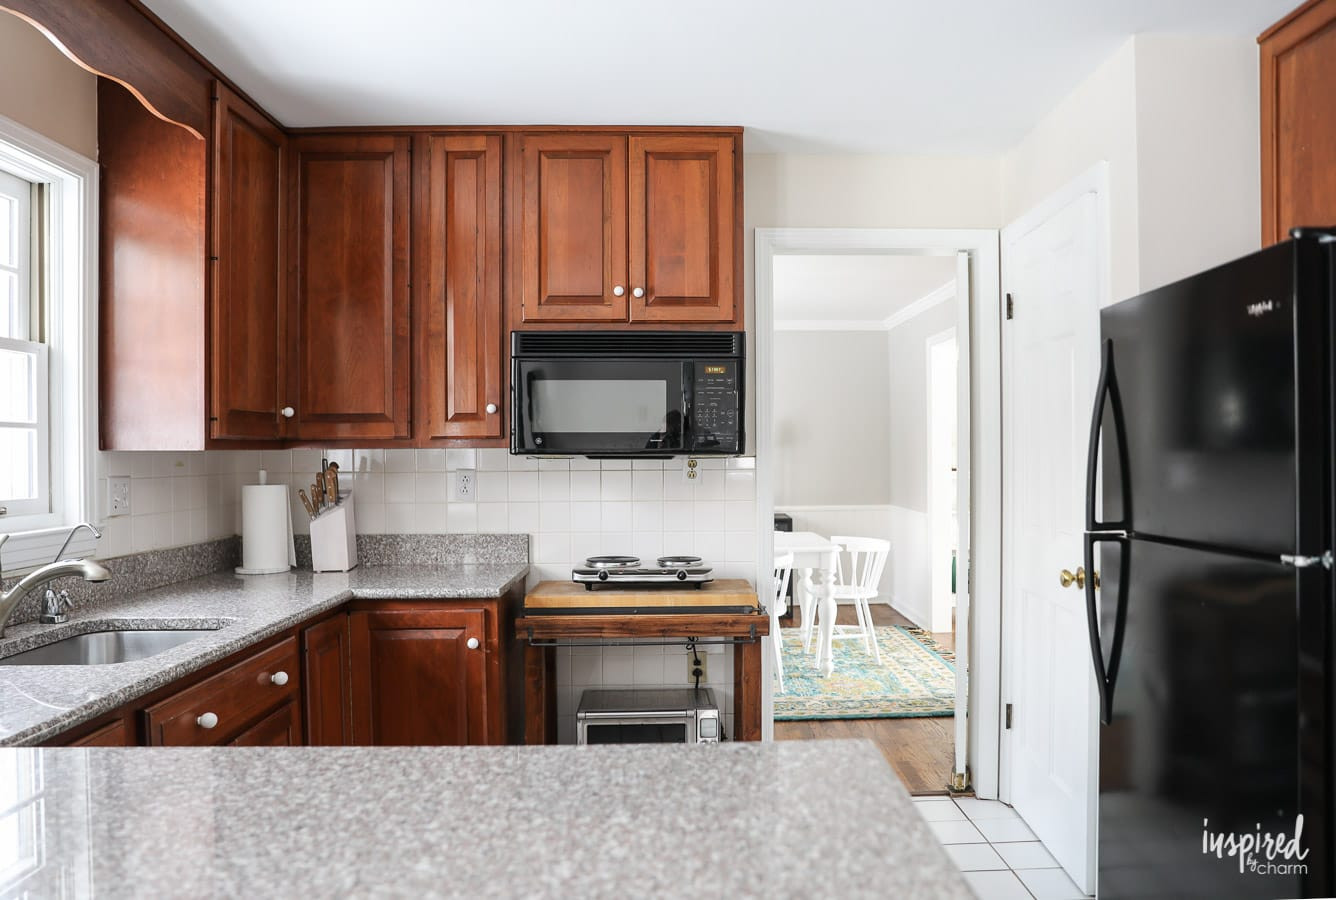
[919,749]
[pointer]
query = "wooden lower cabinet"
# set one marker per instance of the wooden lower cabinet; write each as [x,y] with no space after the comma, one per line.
[325,676]
[281,728]
[377,672]
[220,708]
[113,735]
[420,677]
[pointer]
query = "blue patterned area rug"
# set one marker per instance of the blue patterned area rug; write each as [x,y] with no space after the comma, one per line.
[916,678]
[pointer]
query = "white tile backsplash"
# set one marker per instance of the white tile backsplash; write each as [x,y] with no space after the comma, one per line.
[571,508]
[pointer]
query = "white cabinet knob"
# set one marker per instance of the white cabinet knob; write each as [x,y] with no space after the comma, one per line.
[289,412]
[473,643]
[638,293]
[618,291]
[491,409]
[279,678]
[208,720]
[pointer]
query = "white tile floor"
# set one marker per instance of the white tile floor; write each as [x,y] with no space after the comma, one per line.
[994,848]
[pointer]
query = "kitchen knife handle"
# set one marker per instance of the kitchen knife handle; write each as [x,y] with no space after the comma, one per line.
[332,482]
[324,489]
[318,500]
[306,502]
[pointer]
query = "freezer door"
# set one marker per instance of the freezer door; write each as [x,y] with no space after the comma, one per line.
[1205,683]
[1203,372]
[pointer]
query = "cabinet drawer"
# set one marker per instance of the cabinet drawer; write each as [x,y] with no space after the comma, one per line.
[236,697]
[112,735]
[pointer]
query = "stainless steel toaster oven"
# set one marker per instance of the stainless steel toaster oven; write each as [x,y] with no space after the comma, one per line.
[652,716]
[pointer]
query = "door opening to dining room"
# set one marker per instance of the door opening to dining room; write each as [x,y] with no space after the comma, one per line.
[865,401]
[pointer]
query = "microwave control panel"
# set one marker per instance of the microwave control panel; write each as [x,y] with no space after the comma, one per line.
[717,408]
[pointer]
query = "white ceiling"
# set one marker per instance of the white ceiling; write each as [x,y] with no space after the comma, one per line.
[968,77]
[854,288]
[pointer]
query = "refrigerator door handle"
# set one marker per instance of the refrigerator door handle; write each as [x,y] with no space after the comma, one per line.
[1106,676]
[1107,389]
[1303,562]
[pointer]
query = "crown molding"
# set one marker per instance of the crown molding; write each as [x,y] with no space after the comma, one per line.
[920,306]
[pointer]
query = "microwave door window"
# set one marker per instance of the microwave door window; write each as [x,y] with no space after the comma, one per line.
[603,414]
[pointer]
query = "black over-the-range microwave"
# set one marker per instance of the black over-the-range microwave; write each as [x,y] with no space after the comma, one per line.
[626,394]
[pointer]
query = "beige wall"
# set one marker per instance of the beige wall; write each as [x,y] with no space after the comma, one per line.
[832,418]
[41,89]
[1097,121]
[1176,118]
[1198,151]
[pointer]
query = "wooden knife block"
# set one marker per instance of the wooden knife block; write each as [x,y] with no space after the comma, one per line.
[334,537]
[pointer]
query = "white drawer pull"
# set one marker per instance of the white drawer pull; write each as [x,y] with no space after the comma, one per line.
[473,643]
[279,678]
[208,720]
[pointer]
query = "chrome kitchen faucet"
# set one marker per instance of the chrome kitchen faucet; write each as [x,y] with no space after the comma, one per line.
[85,568]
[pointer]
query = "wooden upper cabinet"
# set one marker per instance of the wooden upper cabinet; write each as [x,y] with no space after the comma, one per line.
[349,229]
[415,679]
[460,330]
[247,362]
[573,228]
[1298,81]
[682,228]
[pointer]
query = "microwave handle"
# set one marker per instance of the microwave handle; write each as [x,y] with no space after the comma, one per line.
[688,404]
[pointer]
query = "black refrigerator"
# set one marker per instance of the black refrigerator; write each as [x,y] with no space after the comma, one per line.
[1210,620]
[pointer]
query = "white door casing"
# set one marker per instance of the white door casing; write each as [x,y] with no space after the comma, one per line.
[980,478]
[1053,278]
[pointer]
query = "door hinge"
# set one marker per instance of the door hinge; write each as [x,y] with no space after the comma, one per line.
[1008,716]
[1011,307]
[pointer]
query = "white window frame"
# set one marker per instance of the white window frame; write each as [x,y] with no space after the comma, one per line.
[69,330]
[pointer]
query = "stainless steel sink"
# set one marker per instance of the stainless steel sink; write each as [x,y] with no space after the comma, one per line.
[100,648]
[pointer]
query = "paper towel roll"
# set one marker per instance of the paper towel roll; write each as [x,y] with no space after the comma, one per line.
[266,529]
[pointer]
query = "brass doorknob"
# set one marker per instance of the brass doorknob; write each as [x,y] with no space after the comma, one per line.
[1067,579]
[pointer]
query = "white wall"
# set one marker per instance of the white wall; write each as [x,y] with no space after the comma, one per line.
[908,345]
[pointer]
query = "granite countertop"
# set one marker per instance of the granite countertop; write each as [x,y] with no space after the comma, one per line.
[37,702]
[784,819]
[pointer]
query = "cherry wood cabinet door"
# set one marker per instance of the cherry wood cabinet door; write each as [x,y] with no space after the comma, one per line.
[1298,105]
[113,734]
[325,680]
[460,319]
[281,728]
[349,222]
[416,681]
[246,352]
[573,228]
[682,218]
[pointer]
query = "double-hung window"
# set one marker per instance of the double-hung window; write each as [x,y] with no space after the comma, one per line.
[48,345]
[25,402]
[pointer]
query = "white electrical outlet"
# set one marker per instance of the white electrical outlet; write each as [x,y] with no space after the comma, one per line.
[118,495]
[692,667]
[466,483]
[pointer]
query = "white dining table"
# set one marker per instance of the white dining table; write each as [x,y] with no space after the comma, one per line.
[815,558]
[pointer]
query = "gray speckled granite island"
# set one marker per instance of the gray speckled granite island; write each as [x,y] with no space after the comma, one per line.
[37,702]
[789,819]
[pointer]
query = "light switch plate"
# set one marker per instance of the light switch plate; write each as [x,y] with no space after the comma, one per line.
[118,495]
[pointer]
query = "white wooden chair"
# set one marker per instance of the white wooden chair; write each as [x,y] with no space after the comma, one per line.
[859,583]
[783,571]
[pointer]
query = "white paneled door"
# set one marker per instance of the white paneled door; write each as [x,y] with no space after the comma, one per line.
[1052,276]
